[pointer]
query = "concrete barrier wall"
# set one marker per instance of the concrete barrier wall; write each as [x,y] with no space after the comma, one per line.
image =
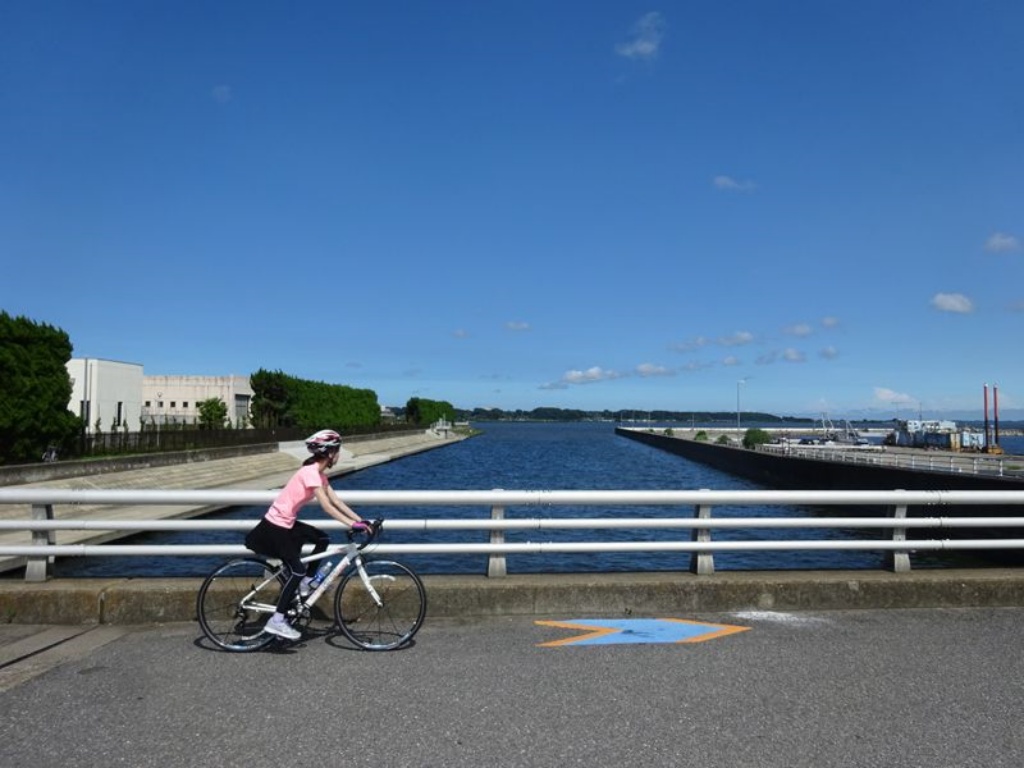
[147,601]
[792,472]
[22,474]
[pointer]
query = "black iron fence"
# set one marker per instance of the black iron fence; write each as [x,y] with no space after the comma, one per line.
[173,438]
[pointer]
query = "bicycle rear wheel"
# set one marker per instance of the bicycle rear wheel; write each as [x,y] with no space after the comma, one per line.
[235,602]
[403,605]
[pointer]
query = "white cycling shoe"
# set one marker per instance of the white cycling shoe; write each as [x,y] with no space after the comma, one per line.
[278,625]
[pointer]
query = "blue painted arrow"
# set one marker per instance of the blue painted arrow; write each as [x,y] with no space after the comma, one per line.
[620,631]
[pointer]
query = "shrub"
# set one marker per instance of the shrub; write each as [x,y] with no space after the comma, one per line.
[755,437]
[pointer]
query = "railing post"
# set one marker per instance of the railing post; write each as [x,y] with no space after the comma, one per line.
[38,568]
[496,560]
[898,561]
[702,563]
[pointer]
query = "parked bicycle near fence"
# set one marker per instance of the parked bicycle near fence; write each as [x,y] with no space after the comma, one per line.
[379,605]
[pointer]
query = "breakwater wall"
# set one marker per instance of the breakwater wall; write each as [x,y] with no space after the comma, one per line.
[795,472]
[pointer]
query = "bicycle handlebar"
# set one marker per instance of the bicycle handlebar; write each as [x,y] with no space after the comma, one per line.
[371,533]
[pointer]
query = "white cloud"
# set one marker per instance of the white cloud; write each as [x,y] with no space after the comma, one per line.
[891,397]
[460,333]
[514,325]
[1000,242]
[221,94]
[645,39]
[589,376]
[695,365]
[737,339]
[731,360]
[735,185]
[791,355]
[650,369]
[788,355]
[689,345]
[800,329]
[829,353]
[830,322]
[952,302]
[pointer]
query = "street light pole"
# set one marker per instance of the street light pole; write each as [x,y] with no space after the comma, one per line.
[738,383]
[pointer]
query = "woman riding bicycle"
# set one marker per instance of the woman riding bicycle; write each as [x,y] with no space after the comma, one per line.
[281,534]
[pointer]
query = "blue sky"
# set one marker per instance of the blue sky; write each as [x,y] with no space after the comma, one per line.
[594,205]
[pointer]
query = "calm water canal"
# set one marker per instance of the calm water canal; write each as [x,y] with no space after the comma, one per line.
[527,456]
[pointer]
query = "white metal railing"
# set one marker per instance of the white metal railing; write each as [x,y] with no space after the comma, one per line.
[878,456]
[699,522]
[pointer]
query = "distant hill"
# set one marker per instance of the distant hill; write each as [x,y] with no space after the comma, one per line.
[626,416]
[1009,417]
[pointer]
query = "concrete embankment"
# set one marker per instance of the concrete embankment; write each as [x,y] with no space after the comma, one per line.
[144,601]
[798,470]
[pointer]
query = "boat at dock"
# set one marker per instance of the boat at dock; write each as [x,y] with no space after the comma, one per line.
[842,435]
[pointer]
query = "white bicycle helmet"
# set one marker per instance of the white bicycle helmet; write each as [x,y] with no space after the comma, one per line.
[323,442]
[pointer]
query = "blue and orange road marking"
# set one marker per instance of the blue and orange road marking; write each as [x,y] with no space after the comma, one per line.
[621,631]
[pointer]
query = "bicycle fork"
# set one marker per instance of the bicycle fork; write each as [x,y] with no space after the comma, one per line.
[368,583]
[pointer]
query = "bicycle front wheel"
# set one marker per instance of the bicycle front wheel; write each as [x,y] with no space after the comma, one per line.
[235,602]
[384,611]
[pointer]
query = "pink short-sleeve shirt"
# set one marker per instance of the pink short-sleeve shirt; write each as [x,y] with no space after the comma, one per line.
[298,492]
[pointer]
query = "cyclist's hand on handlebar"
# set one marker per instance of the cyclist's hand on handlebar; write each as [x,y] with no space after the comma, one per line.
[366,528]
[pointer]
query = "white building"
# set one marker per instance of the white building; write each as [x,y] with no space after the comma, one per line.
[106,394]
[175,399]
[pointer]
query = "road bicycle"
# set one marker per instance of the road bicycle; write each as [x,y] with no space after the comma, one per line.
[379,605]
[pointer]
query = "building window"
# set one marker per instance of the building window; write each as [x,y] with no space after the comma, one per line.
[184,403]
[160,404]
[173,404]
[147,403]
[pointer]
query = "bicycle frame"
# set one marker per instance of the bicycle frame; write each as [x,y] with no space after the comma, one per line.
[352,556]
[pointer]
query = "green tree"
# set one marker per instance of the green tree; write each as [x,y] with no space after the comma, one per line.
[213,412]
[280,400]
[419,410]
[35,389]
[271,404]
[755,437]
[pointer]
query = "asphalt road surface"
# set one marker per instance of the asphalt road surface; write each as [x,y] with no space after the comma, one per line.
[884,688]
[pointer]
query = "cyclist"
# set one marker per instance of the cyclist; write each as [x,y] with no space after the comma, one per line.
[281,534]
